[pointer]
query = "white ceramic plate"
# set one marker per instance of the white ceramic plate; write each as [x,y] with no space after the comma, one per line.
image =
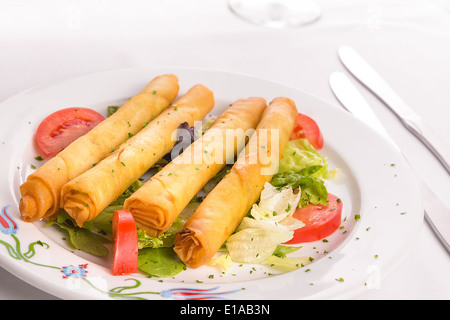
[374,183]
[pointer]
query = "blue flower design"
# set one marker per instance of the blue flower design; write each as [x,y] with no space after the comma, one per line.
[74,271]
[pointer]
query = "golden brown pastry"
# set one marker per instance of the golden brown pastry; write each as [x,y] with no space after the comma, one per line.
[85,196]
[227,204]
[41,192]
[158,202]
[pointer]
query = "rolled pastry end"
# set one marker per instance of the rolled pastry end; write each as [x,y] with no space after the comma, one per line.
[28,209]
[36,201]
[79,206]
[190,250]
[155,223]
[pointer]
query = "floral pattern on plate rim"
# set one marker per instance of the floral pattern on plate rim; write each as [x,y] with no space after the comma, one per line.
[9,227]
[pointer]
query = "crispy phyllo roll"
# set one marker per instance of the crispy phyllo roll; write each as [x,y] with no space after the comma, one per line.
[158,202]
[85,196]
[227,204]
[41,192]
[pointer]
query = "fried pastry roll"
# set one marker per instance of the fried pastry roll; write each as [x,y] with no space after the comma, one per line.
[42,189]
[158,202]
[85,196]
[226,205]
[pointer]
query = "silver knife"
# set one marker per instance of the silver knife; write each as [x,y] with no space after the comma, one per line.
[373,81]
[436,213]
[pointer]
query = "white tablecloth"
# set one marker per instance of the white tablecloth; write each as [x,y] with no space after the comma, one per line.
[407,41]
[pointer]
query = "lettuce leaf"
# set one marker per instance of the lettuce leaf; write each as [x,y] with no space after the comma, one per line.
[281,251]
[112,109]
[256,240]
[90,239]
[92,236]
[275,204]
[253,245]
[121,199]
[312,190]
[160,262]
[269,224]
[300,155]
[223,261]
[291,224]
[280,260]
[286,263]
[146,241]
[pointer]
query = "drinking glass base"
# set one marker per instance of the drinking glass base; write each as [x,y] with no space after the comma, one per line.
[277,13]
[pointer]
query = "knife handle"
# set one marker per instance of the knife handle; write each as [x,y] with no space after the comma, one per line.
[431,140]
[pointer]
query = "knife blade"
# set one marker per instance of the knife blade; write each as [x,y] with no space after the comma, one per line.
[350,97]
[436,214]
[374,82]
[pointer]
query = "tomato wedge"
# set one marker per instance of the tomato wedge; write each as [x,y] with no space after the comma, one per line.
[62,127]
[125,243]
[320,221]
[307,128]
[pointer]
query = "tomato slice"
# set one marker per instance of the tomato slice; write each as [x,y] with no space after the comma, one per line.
[125,243]
[307,128]
[320,221]
[62,127]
